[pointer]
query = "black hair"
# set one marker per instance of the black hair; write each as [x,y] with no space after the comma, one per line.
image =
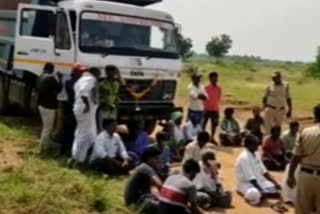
[109,68]
[209,155]
[213,74]
[48,67]
[191,166]
[250,139]
[316,112]
[95,71]
[275,128]
[229,110]
[150,152]
[203,136]
[108,121]
[294,123]
[162,136]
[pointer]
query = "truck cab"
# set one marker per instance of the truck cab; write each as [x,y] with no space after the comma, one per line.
[139,41]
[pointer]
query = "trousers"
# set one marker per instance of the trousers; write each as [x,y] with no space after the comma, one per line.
[273,117]
[47,118]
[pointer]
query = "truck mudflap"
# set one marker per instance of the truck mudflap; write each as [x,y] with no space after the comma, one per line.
[149,111]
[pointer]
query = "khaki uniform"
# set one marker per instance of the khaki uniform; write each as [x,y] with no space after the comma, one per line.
[308,195]
[277,96]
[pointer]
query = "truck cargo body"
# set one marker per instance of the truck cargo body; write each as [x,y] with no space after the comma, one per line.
[139,42]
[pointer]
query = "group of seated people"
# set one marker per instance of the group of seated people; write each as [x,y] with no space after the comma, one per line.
[155,187]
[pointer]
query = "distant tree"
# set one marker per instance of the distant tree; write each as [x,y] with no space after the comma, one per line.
[185,46]
[314,68]
[219,46]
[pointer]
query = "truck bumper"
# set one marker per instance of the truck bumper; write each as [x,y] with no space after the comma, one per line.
[149,111]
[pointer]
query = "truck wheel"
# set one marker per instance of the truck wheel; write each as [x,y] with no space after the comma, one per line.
[4,102]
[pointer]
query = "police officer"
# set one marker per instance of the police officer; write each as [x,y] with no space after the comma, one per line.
[307,154]
[277,96]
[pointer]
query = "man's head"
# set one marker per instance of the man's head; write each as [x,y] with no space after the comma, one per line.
[111,72]
[151,156]
[213,76]
[190,169]
[110,125]
[196,78]
[208,157]
[95,72]
[48,68]
[277,77]
[294,126]
[162,139]
[251,142]
[177,117]
[228,113]
[316,113]
[275,132]
[256,111]
[203,138]
[78,69]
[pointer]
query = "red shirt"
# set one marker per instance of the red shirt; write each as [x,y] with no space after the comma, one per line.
[272,147]
[214,93]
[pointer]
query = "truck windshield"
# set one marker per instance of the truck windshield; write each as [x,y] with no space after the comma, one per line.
[122,35]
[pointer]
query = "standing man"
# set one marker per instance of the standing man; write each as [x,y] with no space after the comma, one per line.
[197,95]
[48,87]
[212,104]
[69,119]
[277,96]
[307,153]
[109,94]
[85,108]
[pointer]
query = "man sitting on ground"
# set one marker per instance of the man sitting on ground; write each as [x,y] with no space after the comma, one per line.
[253,180]
[177,142]
[194,149]
[291,137]
[178,194]
[162,139]
[230,133]
[273,151]
[210,190]
[109,153]
[192,128]
[254,124]
[144,183]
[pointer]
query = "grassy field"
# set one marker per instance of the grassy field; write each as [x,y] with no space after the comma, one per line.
[30,183]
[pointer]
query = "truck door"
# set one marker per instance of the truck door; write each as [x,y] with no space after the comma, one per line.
[34,42]
[64,45]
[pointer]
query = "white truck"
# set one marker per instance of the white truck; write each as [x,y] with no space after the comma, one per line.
[141,42]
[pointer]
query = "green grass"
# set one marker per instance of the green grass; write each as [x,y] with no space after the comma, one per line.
[246,81]
[47,186]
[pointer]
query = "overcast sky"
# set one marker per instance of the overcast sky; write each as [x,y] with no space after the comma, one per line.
[274,29]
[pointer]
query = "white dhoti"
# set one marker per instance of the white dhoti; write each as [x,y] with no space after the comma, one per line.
[86,132]
[288,194]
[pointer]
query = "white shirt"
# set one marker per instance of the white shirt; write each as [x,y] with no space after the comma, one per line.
[250,167]
[190,131]
[108,146]
[195,104]
[204,180]
[178,134]
[84,88]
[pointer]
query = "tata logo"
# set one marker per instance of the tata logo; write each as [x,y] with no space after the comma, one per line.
[137,73]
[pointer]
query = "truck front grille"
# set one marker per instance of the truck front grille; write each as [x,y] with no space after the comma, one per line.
[164,91]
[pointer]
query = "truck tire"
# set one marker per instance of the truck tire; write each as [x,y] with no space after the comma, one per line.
[4,102]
